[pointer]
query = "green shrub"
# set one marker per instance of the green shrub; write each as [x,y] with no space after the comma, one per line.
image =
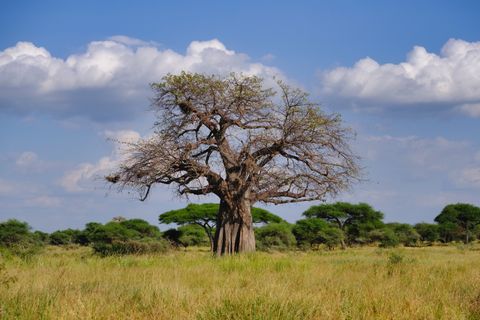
[312,232]
[119,247]
[389,239]
[428,232]
[187,235]
[64,237]
[275,236]
[405,233]
[16,239]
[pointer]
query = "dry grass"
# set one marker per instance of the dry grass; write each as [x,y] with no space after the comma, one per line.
[366,283]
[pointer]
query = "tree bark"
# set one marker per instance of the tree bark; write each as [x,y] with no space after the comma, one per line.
[210,238]
[234,233]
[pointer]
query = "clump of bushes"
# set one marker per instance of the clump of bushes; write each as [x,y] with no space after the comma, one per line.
[17,239]
[186,236]
[134,236]
[275,236]
[312,232]
[121,236]
[123,247]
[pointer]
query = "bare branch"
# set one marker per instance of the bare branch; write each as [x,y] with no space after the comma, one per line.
[229,136]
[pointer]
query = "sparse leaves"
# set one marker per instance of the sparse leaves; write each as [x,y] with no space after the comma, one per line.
[234,138]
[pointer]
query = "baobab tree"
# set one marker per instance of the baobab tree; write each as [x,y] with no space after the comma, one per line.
[232,137]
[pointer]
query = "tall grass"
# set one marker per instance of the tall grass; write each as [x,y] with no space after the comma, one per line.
[365,283]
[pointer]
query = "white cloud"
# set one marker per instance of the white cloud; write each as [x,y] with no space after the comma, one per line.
[82,177]
[110,79]
[450,78]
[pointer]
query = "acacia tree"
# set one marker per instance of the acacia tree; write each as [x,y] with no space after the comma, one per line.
[463,215]
[232,137]
[348,217]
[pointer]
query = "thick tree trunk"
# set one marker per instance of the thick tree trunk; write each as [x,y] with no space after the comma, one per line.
[234,233]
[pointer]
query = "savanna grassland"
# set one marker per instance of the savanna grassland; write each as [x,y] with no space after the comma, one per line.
[364,283]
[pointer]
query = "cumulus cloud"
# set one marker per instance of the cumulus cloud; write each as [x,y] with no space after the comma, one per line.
[110,79]
[451,78]
[82,177]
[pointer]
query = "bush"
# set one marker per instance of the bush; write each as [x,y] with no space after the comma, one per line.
[187,235]
[315,231]
[146,246]
[405,233]
[389,239]
[275,236]
[332,237]
[122,237]
[42,237]
[142,227]
[16,239]
[428,232]
[64,237]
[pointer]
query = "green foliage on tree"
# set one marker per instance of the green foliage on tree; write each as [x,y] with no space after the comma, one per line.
[187,235]
[64,237]
[130,246]
[450,231]
[134,236]
[385,237]
[355,220]
[462,215]
[142,227]
[17,239]
[205,216]
[13,231]
[315,231]
[275,236]
[41,236]
[406,234]
[428,232]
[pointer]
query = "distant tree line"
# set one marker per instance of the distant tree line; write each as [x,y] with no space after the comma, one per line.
[336,225]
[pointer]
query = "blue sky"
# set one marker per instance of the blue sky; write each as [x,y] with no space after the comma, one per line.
[74,75]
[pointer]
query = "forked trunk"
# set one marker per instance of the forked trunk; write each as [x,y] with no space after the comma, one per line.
[234,233]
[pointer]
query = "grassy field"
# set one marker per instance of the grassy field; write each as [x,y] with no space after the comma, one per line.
[364,283]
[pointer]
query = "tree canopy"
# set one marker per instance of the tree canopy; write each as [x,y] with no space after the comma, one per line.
[460,215]
[355,220]
[232,137]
